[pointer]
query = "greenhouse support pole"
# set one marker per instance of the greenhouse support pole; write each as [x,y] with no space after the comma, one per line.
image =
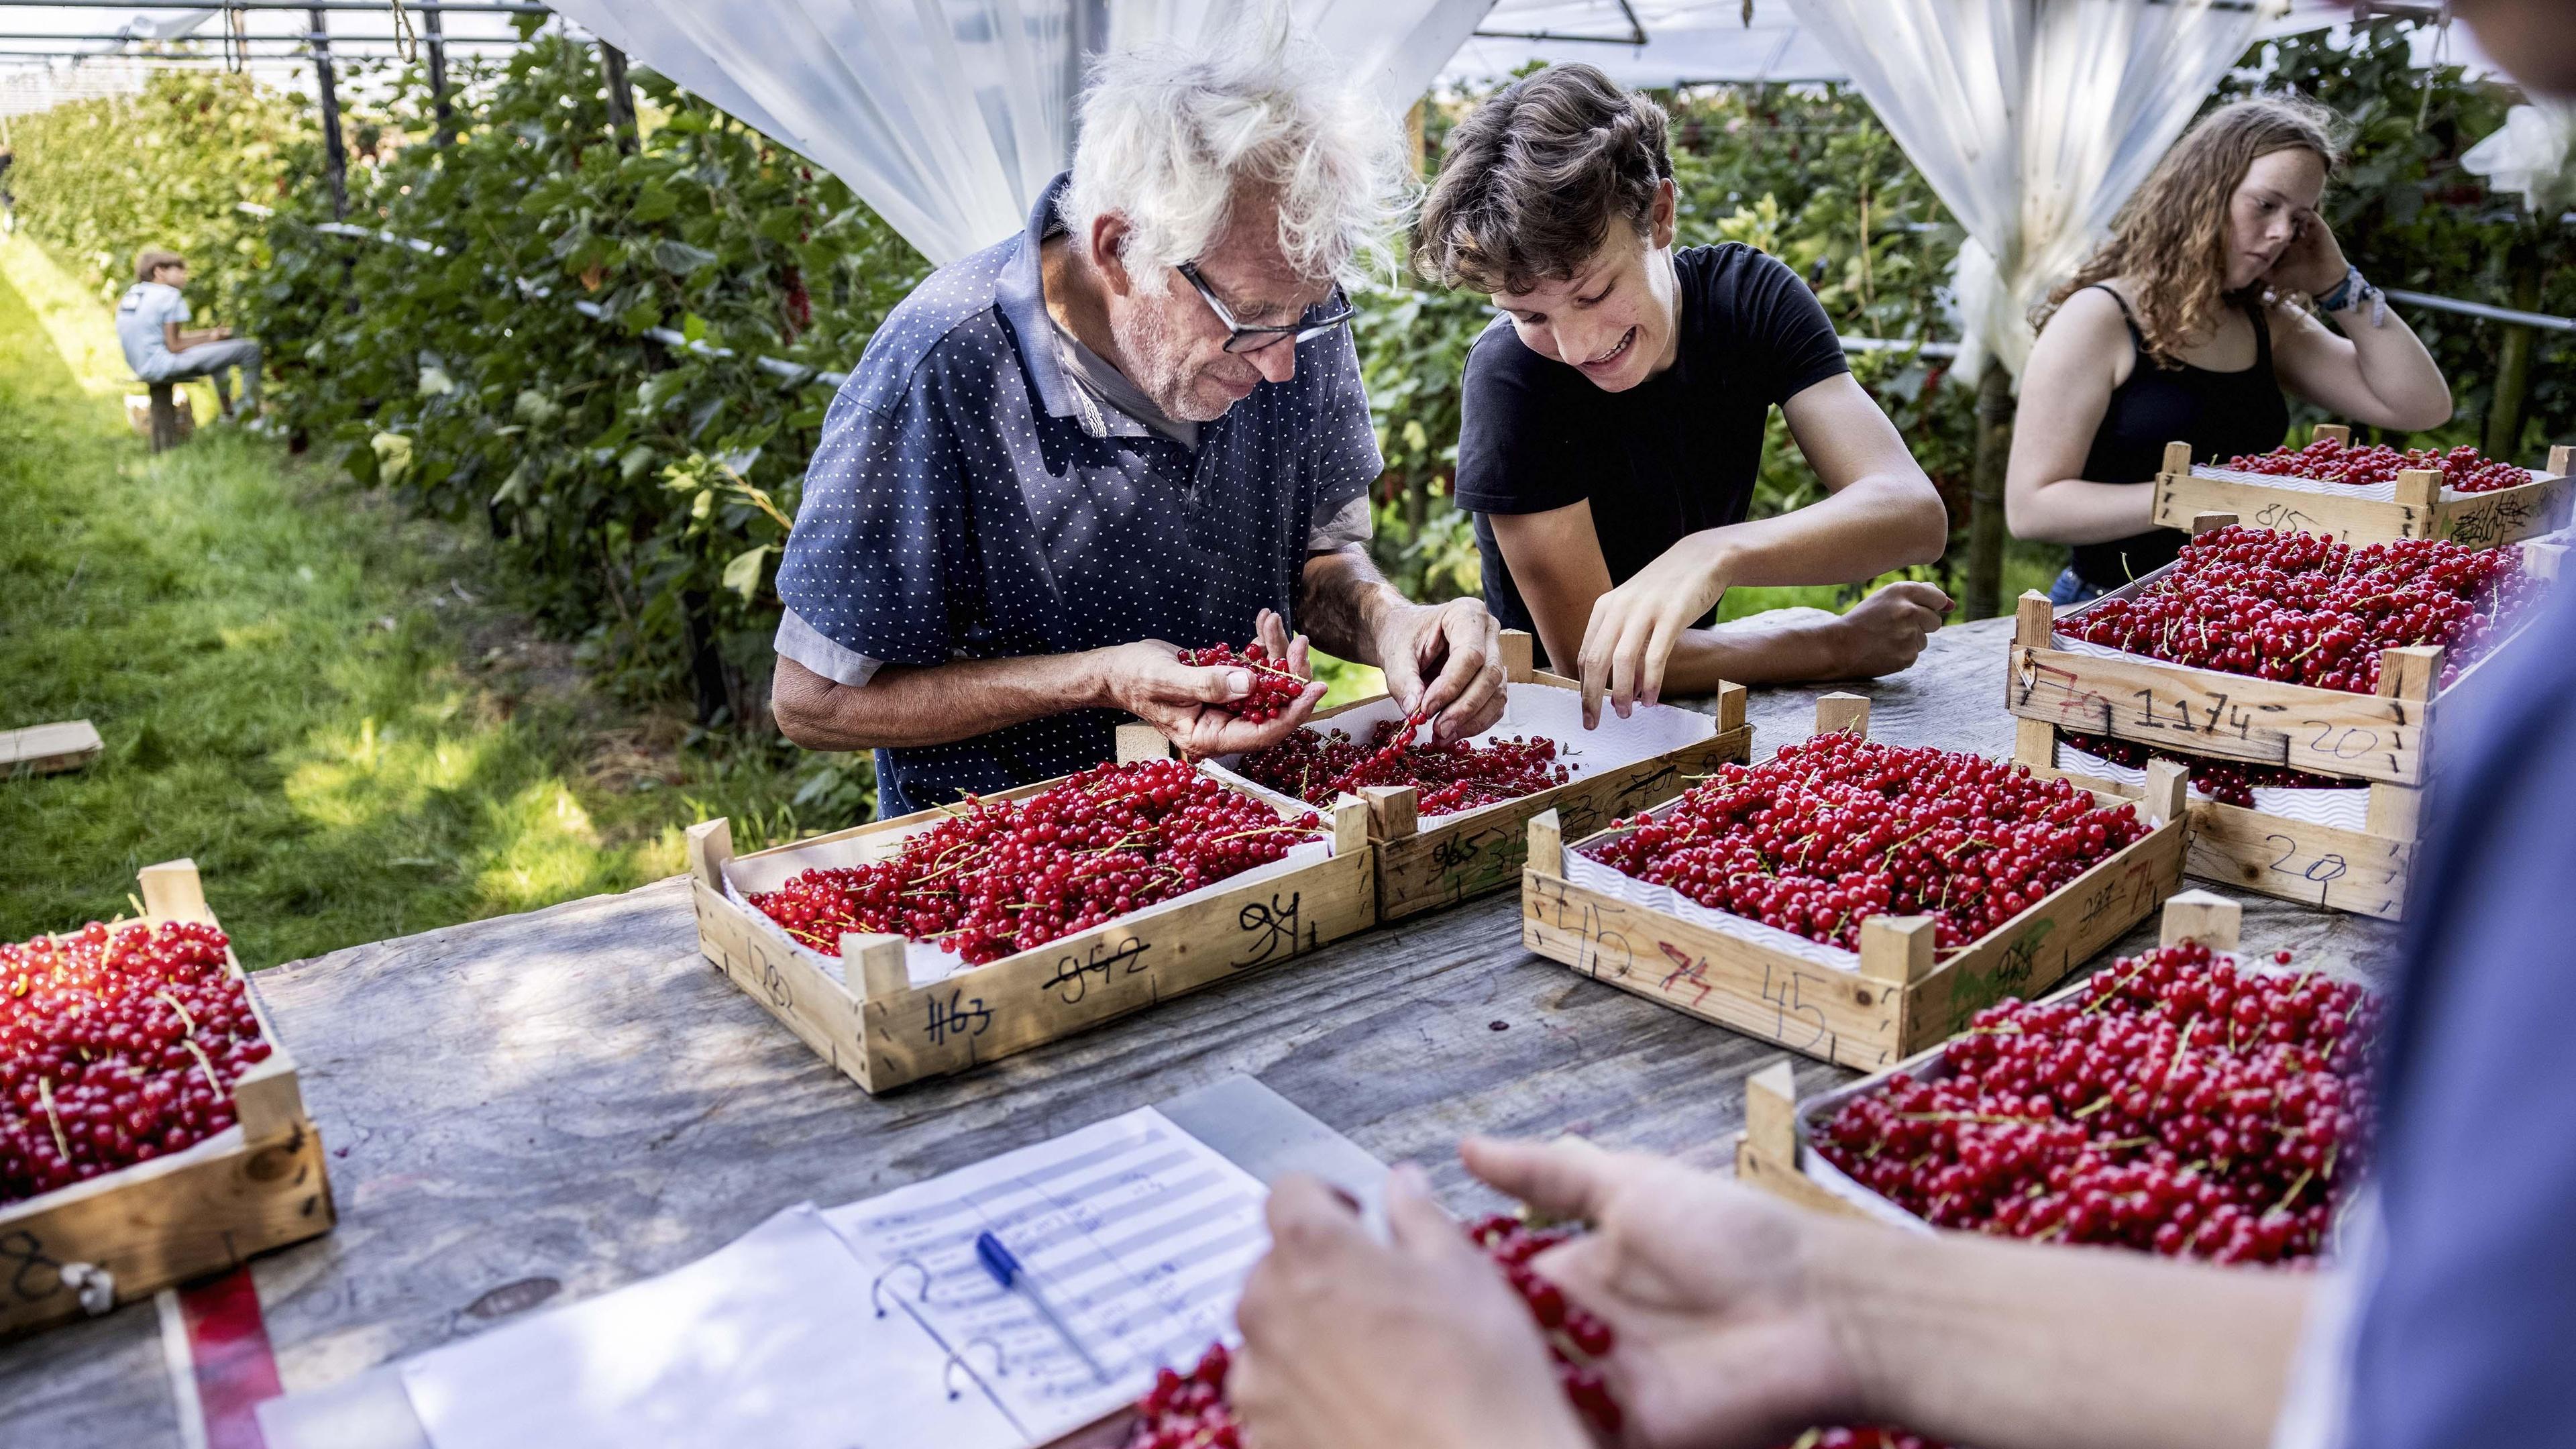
[1986,492]
[2513,358]
[335,152]
[446,129]
[621,96]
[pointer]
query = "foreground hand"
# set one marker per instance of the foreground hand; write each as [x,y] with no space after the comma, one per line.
[1721,1338]
[1352,1344]
[1459,648]
[1635,626]
[1148,680]
[1883,633]
[2312,263]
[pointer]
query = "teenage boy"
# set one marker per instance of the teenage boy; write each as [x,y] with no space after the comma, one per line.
[159,349]
[1613,417]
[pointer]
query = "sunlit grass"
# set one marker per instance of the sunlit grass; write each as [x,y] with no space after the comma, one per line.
[281,671]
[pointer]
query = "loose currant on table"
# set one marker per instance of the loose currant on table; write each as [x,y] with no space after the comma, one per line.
[1274,689]
[118,1044]
[1314,766]
[1189,1411]
[2182,1105]
[2304,609]
[1833,831]
[1002,876]
[2464,469]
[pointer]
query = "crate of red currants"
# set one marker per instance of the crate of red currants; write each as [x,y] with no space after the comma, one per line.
[1449,820]
[2193,1101]
[1852,900]
[931,943]
[2298,678]
[2369,494]
[151,1126]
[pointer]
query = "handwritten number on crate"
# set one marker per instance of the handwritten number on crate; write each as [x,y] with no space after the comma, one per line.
[25,1256]
[1072,978]
[1273,928]
[959,1015]
[1781,989]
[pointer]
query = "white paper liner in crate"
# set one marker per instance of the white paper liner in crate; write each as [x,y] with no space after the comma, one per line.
[2341,807]
[1542,711]
[1592,875]
[923,961]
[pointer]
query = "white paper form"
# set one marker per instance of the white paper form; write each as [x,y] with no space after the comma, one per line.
[1138,1234]
[769,1340]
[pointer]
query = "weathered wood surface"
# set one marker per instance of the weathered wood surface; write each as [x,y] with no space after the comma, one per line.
[574,1098]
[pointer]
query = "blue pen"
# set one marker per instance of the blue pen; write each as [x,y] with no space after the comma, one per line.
[1006,1270]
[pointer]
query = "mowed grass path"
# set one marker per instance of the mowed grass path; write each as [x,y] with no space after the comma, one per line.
[298,687]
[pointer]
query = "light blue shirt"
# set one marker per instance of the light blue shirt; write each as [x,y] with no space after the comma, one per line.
[140,316]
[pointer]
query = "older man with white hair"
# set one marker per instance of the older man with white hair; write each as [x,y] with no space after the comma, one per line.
[1136,426]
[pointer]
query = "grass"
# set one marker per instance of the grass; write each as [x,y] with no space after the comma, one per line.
[298,686]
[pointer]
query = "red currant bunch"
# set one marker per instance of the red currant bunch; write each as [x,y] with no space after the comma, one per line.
[2184,1105]
[1828,833]
[1274,689]
[2304,609]
[997,877]
[2229,782]
[118,1044]
[2464,469]
[1867,1437]
[1316,765]
[1189,1411]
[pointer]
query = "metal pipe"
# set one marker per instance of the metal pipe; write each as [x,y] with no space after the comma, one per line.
[446,114]
[2430,303]
[335,151]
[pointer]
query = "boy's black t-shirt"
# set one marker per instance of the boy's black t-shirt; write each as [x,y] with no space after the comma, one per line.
[1672,456]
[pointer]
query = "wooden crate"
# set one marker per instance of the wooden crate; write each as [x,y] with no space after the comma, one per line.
[254,1186]
[45,749]
[1901,997]
[882,1031]
[1772,1154]
[1422,867]
[2363,871]
[2480,520]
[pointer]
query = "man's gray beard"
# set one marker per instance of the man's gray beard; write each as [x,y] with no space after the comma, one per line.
[1161,369]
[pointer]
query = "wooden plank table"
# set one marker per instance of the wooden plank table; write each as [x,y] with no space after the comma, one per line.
[537,1108]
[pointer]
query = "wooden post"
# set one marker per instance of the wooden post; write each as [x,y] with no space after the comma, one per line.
[2204,522]
[1393,810]
[335,151]
[2178,459]
[2561,458]
[2034,620]
[2393,810]
[2419,487]
[165,417]
[1547,843]
[2034,743]
[1730,706]
[2332,432]
[710,845]
[438,102]
[621,97]
[1984,591]
[874,964]
[1841,711]
[1771,1114]
[1350,819]
[173,890]
[2168,791]
[1896,949]
[2411,672]
[1520,656]
[2203,916]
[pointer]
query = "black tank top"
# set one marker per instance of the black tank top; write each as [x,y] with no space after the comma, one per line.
[2221,414]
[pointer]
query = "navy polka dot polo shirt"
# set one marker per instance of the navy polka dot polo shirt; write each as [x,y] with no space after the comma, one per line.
[965,504]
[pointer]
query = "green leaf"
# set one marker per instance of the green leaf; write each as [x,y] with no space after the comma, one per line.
[743,574]
[679,256]
[653,202]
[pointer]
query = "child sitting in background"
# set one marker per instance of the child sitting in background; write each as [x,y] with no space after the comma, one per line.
[160,350]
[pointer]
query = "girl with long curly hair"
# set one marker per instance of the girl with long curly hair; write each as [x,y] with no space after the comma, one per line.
[2187,324]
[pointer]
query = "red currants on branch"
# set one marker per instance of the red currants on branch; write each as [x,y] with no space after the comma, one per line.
[118,1044]
[2464,469]
[1831,832]
[1315,766]
[1003,876]
[1274,689]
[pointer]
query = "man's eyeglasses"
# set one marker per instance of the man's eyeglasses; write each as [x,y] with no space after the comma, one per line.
[1241,339]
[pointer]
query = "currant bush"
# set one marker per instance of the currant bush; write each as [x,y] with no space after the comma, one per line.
[118,1044]
[1828,833]
[1316,765]
[1002,876]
